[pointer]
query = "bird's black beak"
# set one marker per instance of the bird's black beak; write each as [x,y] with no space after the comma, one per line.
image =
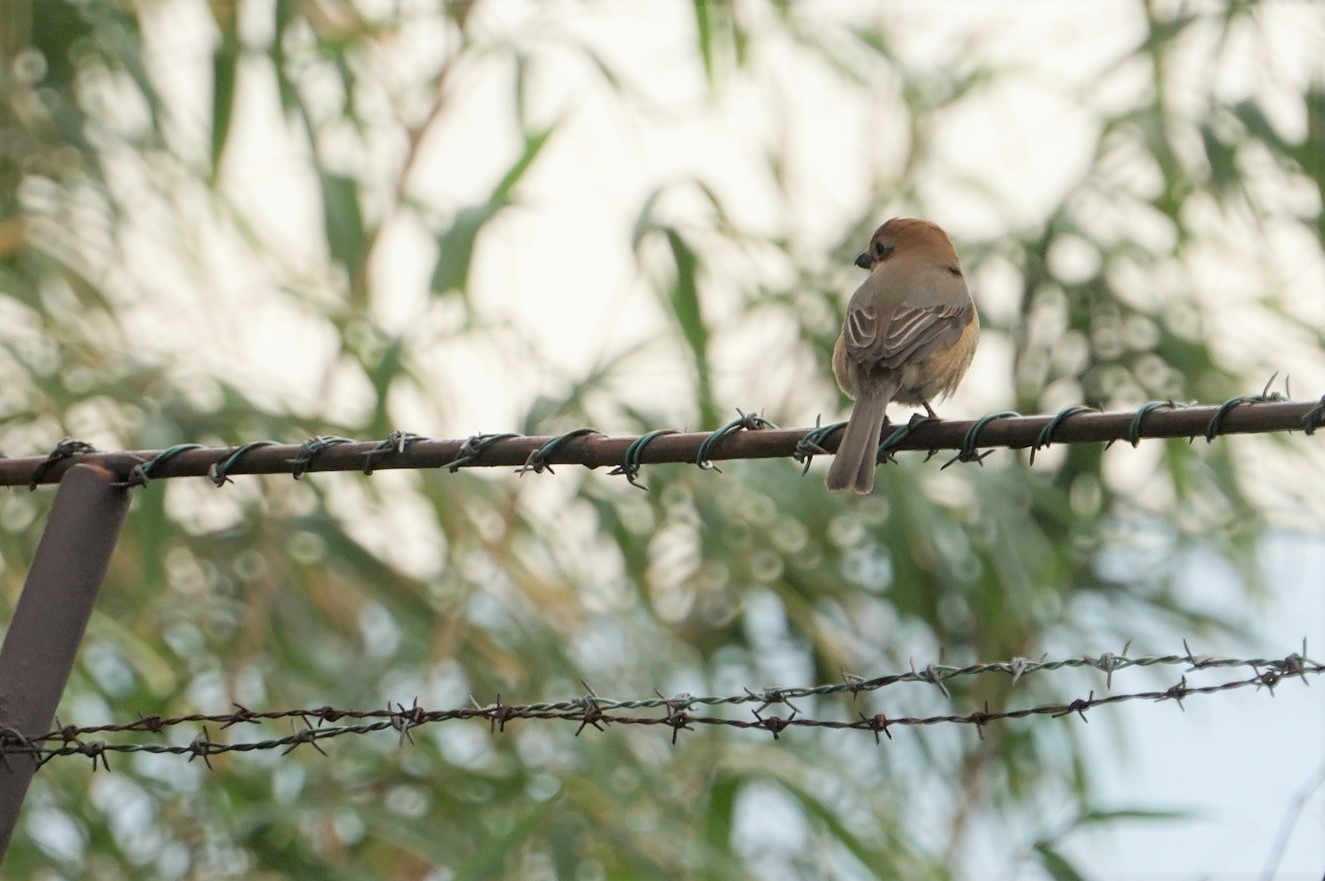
[865,260]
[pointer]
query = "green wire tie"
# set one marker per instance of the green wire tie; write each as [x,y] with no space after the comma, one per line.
[746,422]
[1046,435]
[1217,421]
[537,461]
[889,444]
[219,473]
[630,465]
[1134,427]
[968,451]
[141,473]
[812,444]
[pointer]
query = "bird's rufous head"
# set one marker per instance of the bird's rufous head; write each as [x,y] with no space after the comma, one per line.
[904,233]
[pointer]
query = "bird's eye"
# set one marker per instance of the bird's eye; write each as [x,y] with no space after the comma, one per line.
[881,250]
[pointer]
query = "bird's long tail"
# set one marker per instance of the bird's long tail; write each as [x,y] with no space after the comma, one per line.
[853,466]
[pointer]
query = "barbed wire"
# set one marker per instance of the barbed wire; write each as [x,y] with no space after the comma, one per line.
[748,437]
[678,712]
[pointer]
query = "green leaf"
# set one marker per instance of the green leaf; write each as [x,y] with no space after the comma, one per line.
[533,145]
[717,30]
[684,295]
[456,245]
[59,32]
[1117,814]
[1251,116]
[839,831]
[1311,155]
[1162,33]
[58,27]
[704,33]
[343,219]
[225,67]
[282,17]
[720,811]
[644,223]
[1057,865]
[683,304]
[382,372]
[487,862]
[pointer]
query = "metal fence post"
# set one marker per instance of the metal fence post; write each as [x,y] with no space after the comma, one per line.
[51,615]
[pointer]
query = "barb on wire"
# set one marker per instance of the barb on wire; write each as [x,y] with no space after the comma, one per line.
[302,459]
[395,444]
[749,437]
[1315,417]
[678,713]
[66,449]
[472,448]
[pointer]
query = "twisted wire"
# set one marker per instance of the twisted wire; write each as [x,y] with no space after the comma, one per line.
[678,713]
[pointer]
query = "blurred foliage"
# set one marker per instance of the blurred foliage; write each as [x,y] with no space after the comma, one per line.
[114,163]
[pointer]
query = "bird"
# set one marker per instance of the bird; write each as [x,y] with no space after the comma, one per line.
[909,335]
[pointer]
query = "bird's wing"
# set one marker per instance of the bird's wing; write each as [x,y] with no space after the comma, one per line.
[908,332]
